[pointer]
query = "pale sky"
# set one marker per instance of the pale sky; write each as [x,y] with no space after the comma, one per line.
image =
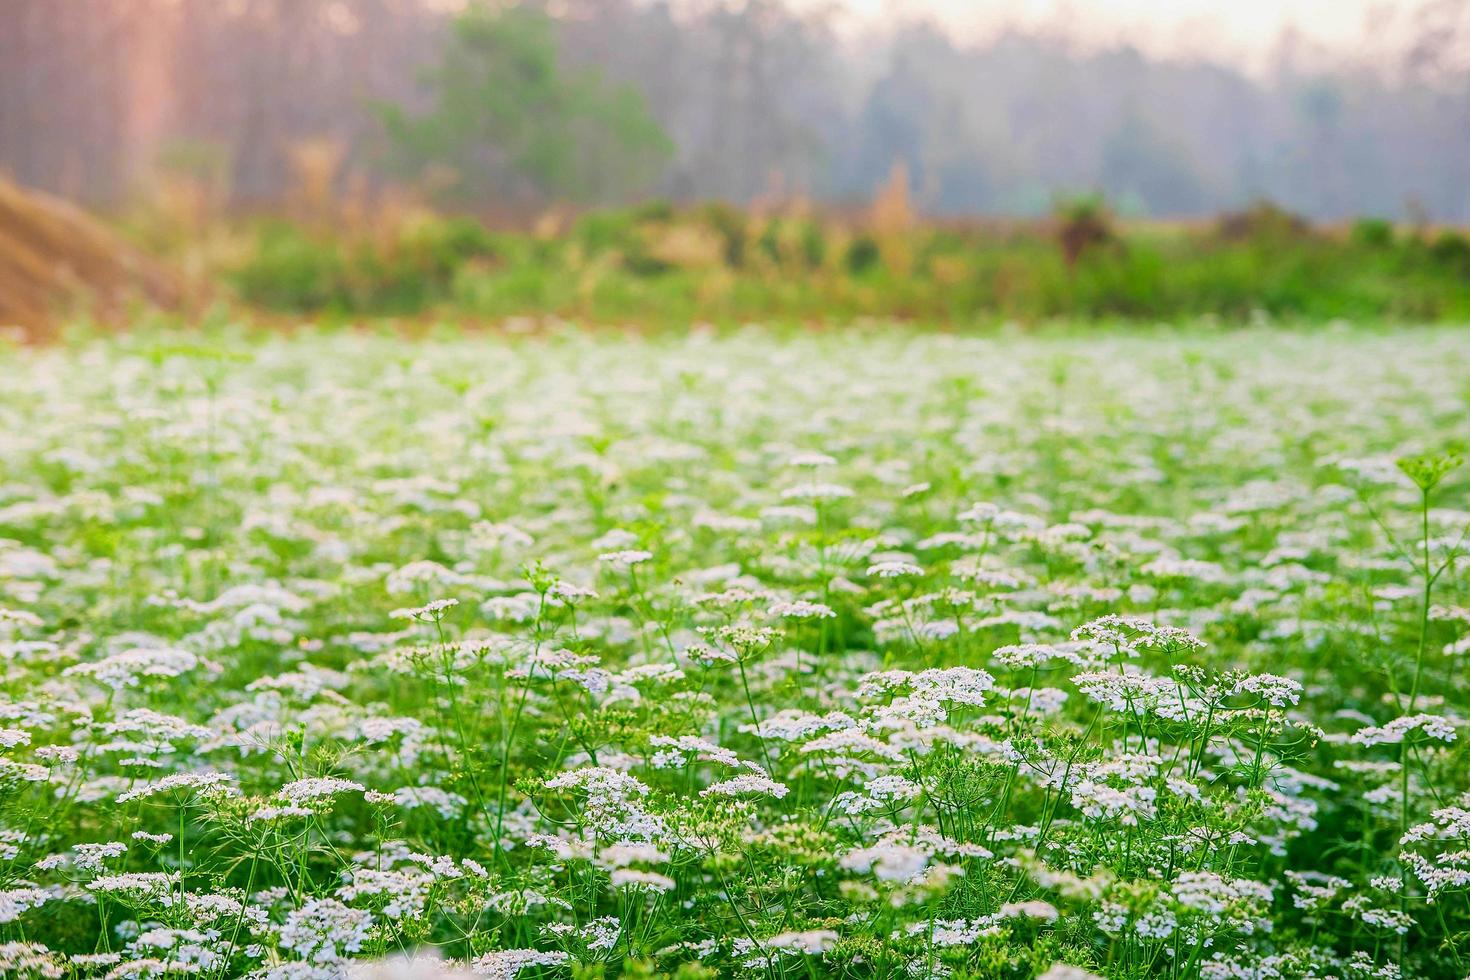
[1240,31]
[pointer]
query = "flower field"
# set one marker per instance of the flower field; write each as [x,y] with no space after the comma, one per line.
[868,654]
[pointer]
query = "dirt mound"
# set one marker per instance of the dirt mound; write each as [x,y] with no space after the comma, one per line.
[55,259]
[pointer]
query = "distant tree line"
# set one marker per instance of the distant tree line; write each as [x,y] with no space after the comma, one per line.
[501,106]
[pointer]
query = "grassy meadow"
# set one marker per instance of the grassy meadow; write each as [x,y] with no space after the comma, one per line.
[657,266]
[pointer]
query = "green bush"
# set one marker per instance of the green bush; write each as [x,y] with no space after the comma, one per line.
[1452,249]
[863,255]
[1373,232]
[294,271]
[289,271]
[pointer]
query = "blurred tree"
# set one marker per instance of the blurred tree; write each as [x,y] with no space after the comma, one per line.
[96,94]
[507,119]
[1139,162]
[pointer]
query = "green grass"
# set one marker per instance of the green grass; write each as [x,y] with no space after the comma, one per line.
[661,267]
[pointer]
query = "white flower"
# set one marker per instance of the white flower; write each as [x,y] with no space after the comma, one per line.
[429,612]
[505,964]
[951,685]
[128,668]
[816,491]
[15,902]
[1431,726]
[888,861]
[137,886]
[448,805]
[747,785]
[1062,971]
[642,880]
[416,575]
[1200,571]
[418,966]
[19,617]
[1275,691]
[623,855]
[811,941]
[317,788]
[1129,634]
[625,559]
[801,609]
[90,857]
[894,569]
[204,783]
[1034,909]
[325,930]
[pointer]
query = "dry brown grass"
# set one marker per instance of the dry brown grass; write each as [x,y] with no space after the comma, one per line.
[56,260]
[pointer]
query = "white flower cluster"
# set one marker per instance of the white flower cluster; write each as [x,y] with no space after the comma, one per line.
[572,655]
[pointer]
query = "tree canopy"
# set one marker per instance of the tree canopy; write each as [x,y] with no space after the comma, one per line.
[506,115]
